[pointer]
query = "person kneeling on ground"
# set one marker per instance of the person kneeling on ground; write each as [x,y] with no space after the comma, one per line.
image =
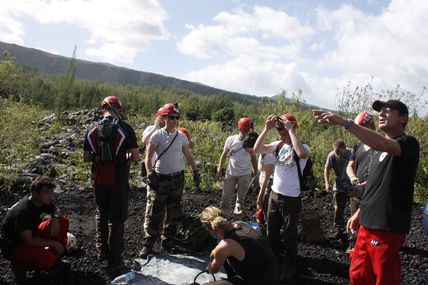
[244,252]
[35,231]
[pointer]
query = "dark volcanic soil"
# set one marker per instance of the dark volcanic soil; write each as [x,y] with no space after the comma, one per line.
[318,263]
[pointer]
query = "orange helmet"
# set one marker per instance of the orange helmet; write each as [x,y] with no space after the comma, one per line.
[245,124]
[185,131]
[364,119]
[111,101]
[289,117]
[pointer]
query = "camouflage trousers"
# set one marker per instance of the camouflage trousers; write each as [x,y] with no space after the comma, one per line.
[163,209]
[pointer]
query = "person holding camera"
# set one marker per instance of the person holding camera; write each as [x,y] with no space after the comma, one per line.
[284,204]
[166,181]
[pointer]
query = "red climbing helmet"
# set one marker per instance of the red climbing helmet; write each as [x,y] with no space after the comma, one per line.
[289,117]
[245,124]
[111,101]
[161,112]
[169,109]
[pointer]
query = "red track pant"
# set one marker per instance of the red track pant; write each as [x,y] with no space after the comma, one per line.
[376,258]
[40,258]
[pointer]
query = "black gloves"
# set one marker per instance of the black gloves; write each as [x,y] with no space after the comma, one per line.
[196,178]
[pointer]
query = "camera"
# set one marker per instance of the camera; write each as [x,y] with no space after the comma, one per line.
[279,124]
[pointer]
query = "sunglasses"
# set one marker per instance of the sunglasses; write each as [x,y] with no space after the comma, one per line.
[172,117]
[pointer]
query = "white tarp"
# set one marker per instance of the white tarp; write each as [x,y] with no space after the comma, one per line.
[162,269]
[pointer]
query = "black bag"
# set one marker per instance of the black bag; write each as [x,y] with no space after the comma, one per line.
[106,131]
[306,178]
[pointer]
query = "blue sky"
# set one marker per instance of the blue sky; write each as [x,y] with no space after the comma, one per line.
[254,47]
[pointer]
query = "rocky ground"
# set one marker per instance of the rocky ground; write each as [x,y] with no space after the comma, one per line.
[319,262]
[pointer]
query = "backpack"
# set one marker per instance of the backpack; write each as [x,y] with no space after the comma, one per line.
[106,139]
[306,178]
[106,132]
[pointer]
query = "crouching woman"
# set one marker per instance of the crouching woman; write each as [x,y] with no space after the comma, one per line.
[245,254]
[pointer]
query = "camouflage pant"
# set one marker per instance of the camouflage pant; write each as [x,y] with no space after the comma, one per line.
[163,208]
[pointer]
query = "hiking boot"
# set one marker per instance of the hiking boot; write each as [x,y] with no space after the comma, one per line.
[102,256]
[145,251]
[20,275]
[116,270]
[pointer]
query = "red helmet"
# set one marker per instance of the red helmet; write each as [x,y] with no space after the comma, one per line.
[170,109]
[161,112]
[364,119]
[185,131]
[245,124]
[291,118]
[111,101]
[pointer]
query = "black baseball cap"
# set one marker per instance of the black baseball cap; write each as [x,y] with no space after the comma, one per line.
[392,104]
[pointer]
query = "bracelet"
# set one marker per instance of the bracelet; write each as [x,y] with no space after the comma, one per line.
[349,123]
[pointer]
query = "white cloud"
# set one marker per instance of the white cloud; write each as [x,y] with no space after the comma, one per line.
[118,29]
[391,46]
[11,30]
[266,51]
[240,33]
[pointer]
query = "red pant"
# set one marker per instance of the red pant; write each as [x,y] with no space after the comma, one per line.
[40,258]
[376,258]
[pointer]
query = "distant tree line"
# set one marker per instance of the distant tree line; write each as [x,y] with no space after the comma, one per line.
[211,118]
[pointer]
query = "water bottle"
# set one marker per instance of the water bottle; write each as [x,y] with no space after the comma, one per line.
[124,278]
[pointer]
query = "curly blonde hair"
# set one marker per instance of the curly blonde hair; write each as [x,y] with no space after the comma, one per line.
[214,219]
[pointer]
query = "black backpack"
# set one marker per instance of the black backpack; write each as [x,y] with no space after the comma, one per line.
[306,178]
[106,131]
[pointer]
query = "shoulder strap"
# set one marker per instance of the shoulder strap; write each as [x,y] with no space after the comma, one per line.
[299,170]
[165,150]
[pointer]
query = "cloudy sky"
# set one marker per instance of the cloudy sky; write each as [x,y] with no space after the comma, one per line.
[255,47]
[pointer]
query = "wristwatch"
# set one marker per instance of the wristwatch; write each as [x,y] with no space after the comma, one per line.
[349,123]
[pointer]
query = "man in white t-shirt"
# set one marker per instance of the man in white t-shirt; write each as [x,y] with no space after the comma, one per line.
[238,172]
[163,209]
[284,204]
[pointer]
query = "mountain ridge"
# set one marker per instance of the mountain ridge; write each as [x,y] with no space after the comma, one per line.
[48,63]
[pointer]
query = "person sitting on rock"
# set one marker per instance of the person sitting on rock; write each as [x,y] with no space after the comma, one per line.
[245,253]
[35,232]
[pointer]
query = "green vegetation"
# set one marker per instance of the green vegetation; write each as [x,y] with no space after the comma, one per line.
[27,97]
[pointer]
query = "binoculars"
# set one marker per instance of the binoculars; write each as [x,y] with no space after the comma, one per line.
[279,124]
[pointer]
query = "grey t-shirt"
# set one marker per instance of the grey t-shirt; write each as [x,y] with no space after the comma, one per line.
[172,160]
[339,164]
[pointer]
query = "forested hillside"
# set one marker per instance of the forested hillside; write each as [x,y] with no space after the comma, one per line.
[29,100]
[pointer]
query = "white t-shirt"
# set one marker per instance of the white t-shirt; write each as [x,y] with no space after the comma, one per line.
[172,160]
[285,178]
[266,159]
[239,158]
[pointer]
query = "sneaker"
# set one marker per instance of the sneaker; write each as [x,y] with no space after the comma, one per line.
[145,251]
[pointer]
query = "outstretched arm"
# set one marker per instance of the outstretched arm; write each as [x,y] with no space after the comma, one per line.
[366,135]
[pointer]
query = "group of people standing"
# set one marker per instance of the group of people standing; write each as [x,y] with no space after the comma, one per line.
[380,173]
